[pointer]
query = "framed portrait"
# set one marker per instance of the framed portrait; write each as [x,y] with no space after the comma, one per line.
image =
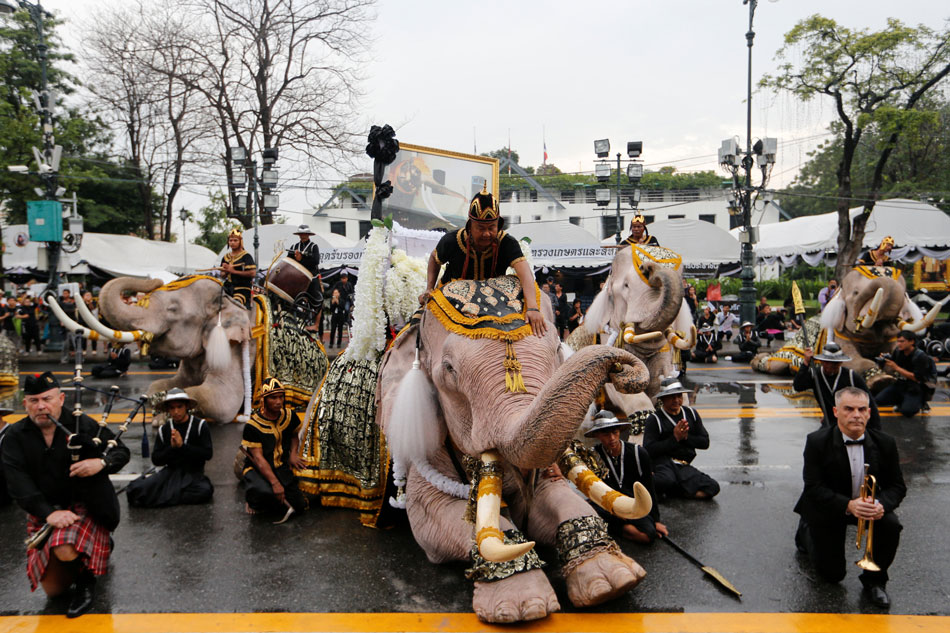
[432,188]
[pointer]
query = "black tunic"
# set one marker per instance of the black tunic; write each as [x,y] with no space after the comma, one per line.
[451,252]
[182,479]
[275,439]
[632,465]
[309,256]
[651,241]
[241,286]
[671,458]
[38,477]
[4,495]
[811,376]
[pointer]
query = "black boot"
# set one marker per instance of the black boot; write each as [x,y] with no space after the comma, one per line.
[84,593]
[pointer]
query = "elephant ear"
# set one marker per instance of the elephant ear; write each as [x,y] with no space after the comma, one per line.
[832,317]
[598,315]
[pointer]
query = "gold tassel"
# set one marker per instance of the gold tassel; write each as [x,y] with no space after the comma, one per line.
[514,382]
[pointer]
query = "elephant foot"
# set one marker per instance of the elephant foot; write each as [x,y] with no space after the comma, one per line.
[524,596]
[602,578]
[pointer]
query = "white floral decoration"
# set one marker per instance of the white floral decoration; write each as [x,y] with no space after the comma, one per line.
[405,281]
[526,251]
[387,292]
[369,319]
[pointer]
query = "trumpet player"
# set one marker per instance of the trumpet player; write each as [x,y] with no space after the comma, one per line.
[73,496]
[834,472]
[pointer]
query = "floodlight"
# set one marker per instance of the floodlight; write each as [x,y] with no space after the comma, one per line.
[18,169]
[602,148]
[602,171]
[634,148]
[269,177]
[238,154]
[634,172]
[602,196]
[240,202]
[635,198]
[271,202]
[269,155]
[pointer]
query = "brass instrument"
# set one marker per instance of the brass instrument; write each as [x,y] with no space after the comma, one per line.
[868,489]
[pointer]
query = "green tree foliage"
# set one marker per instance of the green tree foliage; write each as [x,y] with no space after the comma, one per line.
[213,223]
[919,167]
[878,82]
[103,187]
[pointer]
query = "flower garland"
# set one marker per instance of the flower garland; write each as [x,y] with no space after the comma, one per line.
[526,251]
[369,318]
[405,281]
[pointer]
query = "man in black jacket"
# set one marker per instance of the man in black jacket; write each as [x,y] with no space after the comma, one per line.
[65,488]
[307,253]
[830,377]
[182,447]
[671,436]
[915,376]
[748,343]
[835,459]
[626,464]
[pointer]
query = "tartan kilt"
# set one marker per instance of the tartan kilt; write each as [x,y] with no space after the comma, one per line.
[89,538]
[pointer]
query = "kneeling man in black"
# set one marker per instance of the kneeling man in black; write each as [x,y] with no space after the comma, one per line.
[835,457]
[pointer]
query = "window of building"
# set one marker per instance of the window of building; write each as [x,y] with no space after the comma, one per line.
[676,217]
[339,228]
[365,227]
[648,219]
[513,219]
[535,218]
[575,220]
[707,217]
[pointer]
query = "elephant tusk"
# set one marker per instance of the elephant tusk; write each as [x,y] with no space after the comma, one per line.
[618,504]
[488,535]
[68,323]
[119,336]
[870,316]
[678,340]
[630,337]
[925,322]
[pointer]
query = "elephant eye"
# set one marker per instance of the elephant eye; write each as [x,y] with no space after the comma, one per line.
[447,366]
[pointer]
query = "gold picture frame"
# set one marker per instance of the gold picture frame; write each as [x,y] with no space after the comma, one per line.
[432,188]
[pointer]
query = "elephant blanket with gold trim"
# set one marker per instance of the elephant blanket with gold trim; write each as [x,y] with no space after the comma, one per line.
[286,351]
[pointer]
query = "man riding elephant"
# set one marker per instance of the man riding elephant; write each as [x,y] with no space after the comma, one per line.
[482,250]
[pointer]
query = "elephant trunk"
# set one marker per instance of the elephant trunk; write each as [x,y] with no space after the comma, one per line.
[116,311]
[665,298]
[552,419]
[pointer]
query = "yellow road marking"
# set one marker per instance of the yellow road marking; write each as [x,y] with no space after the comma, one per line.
[452,622]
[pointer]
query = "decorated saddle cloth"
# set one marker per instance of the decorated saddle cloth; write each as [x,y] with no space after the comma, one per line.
[286,351]
[491,308]
[873,272]
[793,352]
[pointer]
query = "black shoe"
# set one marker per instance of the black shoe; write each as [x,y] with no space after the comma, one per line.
[878,596]
[83,595]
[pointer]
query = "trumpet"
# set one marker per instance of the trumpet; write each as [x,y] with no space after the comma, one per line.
[868,489]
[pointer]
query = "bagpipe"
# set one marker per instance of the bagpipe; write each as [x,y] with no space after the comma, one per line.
[95,492]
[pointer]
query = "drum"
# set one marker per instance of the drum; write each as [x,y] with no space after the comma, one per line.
[287,279]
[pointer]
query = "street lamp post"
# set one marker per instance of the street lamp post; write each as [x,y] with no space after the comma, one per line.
[762,153]
[266,182]
[634,174]
[183,214]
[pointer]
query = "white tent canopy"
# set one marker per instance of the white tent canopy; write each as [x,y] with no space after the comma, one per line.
[119,255]
[918,229]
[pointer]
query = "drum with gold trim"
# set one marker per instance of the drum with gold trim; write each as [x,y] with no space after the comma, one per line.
[287,279]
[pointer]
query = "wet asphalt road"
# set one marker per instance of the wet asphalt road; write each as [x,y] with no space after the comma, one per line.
[214,558]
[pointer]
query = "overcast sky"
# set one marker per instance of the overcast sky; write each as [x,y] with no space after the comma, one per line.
[671,73]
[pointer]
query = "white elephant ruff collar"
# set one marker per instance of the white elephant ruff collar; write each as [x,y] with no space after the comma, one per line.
[657,254]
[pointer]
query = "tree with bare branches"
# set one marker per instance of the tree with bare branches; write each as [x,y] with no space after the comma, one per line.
[279,73]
